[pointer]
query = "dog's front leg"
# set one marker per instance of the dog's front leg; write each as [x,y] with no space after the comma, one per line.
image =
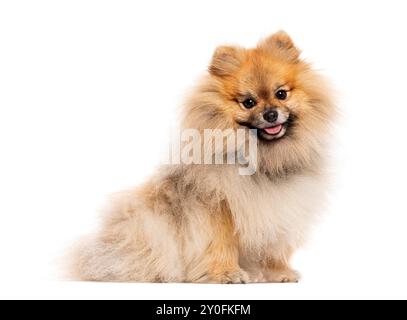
[219,263]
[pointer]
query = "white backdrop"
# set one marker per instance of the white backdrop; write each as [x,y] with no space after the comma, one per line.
[85,84]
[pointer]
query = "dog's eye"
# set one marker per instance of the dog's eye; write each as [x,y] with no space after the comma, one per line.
[281,94]
[249,103]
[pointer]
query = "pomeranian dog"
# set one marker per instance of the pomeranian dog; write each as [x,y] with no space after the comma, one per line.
[208,223]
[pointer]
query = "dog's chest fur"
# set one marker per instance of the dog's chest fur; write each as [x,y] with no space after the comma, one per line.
[273,215]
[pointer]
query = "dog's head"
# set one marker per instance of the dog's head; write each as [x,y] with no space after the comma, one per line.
[269,88]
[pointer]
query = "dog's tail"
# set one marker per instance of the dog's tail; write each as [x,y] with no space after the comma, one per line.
[86,261]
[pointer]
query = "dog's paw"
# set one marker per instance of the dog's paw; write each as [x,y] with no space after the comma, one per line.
[283,276]
[232,277]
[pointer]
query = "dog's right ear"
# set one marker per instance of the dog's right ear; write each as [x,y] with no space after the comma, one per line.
[226,60]
[281,45]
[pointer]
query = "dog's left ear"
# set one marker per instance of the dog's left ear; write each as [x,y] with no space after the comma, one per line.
[282,45]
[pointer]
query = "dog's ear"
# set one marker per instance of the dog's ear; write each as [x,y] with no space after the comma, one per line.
[226,60]
[281,45]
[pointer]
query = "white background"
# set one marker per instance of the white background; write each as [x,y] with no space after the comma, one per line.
[86,84]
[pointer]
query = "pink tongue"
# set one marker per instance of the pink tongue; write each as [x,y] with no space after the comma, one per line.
[274,130]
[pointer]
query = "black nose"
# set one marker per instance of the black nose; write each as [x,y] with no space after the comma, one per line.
[270,115]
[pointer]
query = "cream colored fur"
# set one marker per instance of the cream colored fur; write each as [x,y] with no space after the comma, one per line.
[207,223]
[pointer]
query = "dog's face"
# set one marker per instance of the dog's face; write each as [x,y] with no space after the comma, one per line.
[264,92]
[268,88]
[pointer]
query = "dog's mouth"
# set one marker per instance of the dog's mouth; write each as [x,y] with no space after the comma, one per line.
[274,132]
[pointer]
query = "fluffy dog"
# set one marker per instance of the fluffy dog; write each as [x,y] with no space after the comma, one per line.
[208,223]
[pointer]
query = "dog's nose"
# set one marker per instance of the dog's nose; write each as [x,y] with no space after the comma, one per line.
[270,115]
